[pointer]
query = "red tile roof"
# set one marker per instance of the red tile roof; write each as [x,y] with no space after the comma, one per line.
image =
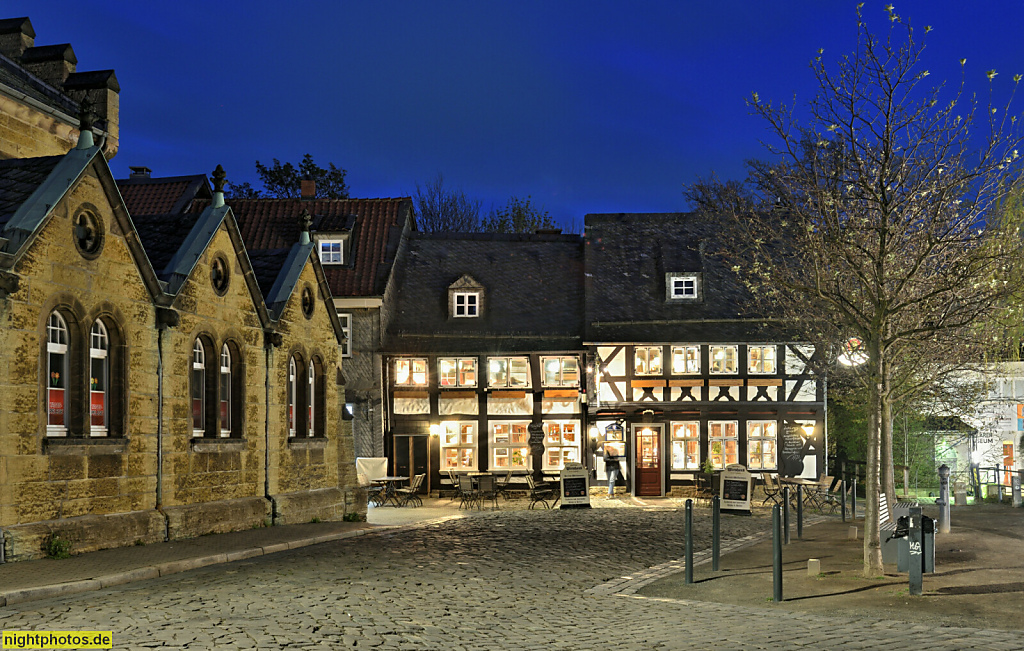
[376,230]
[161,196]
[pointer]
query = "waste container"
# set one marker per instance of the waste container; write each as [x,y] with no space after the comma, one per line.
[927,548]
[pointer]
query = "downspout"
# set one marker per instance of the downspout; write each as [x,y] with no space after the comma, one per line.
[271,340]
[165,318]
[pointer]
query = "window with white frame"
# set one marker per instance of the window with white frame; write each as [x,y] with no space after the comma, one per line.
[761,359]
[99,379]
[684,287]
[410,372]
[198,388]
[724,360]
[508,372]
[647,360]
[686,445]
[467,304]
[560,371]
[293,394]
[723,443]
[346,330]
[762,436]
[332,251]
[458,445]
[456,372]
[685,360]
[311,398]
[225,391]
[57,375]
[510,445]
[561,444]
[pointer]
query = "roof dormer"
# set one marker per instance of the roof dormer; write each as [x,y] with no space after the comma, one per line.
[465,298]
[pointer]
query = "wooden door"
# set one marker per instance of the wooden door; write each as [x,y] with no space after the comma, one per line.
[648,466]
[411,456]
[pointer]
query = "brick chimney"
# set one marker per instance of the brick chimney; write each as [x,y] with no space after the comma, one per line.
[16,36]
[307,189]
[51,63]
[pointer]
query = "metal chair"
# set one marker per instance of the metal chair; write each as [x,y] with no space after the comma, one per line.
[505,487]
[467,492]
[486,490]
[411,494]
[539,493]
[772,489]
[456,493]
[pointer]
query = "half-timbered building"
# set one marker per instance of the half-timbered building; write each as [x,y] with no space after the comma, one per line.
[687,377]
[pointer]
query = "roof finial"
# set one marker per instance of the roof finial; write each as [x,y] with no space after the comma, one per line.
[220,177]
[86,118]
[306,219]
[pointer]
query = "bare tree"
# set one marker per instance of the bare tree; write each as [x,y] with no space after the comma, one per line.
[878,218]
[439,209]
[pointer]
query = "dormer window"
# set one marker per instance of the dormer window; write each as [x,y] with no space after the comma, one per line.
[467,304]
[684,287]
[332,251]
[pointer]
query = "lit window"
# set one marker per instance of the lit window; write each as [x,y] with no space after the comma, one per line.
[57,374]
[467,304]
[761,438]
[561,444]
[647,360]
[456,372]
[293,390]
[508,372]
[686,445]
[560,371]
[310,394]
[761,359]
[510,446]
[724,360]
[458,445]
[410,372]
[332,251]
[346,330]
[225,391]
[723,443]
[685,359]
[198,388]
[99,379]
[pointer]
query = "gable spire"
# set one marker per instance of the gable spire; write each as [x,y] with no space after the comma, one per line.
[305,219]
[86,118]
[220,177]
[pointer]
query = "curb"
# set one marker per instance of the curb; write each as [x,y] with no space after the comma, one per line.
[23,595]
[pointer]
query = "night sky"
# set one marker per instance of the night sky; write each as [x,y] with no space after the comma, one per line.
[586,106]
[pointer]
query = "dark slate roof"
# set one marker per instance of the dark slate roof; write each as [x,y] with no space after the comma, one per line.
[14,76]
[532,296]
[266,265]
[19,178]
[375,232]
[160,196]
[627,258]
[162,236]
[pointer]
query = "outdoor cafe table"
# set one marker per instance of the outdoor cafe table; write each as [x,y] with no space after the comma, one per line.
[390,484]
[812,488]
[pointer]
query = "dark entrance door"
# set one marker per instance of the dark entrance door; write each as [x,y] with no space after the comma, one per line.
[411,456]
[648,459]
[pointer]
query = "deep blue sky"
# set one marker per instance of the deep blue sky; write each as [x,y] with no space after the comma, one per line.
[586,106]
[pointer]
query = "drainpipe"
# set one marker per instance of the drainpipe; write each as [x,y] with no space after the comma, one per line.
[165,318]
[271,340]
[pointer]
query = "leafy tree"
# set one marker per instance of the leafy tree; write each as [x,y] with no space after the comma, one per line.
[284,180]
[878,219]
[518,216]
[439,209]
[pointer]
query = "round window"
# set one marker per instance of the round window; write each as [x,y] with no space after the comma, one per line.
[219,275]
[88,233]
[308,302]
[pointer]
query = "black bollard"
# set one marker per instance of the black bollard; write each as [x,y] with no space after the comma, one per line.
[716,526]
[799,512]
[776,555]
[842,493]
[785,513]
[689,542]
[916,540]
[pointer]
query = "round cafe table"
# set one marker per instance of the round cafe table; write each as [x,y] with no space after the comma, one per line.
[390,483]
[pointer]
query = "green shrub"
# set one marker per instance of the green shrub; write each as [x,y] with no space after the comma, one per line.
[58,547]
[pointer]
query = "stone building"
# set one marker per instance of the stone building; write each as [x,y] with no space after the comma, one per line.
[40,91]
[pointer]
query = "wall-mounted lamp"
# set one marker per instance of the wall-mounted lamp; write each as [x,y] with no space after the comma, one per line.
[435,430]
[808,429]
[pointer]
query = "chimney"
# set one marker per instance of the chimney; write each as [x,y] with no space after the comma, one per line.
[51,63]
[139,172]
[103,90]
[220,177]
[16,36]
[307,189]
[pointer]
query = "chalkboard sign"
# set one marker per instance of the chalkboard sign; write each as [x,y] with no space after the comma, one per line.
[792,451]
[735,489]
[536,431]
[574,487]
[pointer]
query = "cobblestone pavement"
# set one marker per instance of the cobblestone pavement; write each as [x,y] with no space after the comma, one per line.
[501,580]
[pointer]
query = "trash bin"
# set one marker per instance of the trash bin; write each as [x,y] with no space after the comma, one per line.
[927,548]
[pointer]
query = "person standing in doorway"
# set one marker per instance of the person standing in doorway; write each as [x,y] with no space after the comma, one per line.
[611,466]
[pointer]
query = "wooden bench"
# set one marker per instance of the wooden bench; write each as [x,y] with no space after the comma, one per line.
[887,525]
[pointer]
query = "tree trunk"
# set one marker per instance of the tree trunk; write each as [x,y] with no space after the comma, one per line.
[887,483]
[872,546]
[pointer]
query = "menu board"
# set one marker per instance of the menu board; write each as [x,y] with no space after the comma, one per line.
[575,486]
[792,451]
[734,490]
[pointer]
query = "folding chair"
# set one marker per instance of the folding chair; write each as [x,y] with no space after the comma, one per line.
[539,494]
[486,490]
[467,492]
[411,494]
[772,489]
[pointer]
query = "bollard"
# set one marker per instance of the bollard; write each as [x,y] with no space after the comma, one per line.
[813,566]
[716,537]
[853,500]
[1014,490]
[776,555]
[999,482]
[785,513]
[851,533]
[842,492]
[943,501]
[799,512]
[689,542]
[915,540]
